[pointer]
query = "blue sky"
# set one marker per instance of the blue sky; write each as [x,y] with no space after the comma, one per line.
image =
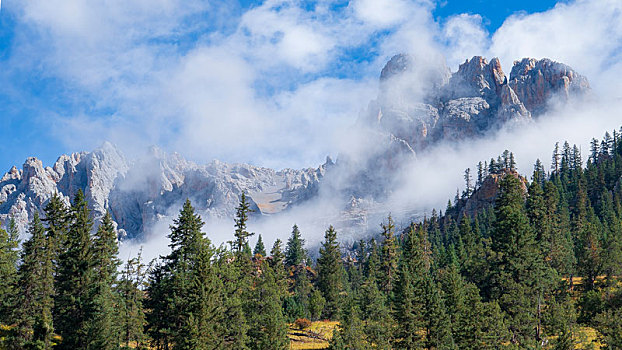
[272,83]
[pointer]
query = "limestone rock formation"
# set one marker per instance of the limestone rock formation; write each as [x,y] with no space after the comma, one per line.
[471,102]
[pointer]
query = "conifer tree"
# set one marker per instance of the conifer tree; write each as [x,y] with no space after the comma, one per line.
[103,326]
[260,249]
[295,253]
[74,279]
[330,273]
[185,299]
[519,272]
[351,333]
[409,299]
[388,256]
[267,325]
[376,313]
[9,241]
[57,219]
[241,219]
[33,314]
[132,314]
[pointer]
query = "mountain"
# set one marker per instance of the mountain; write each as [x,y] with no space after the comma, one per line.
[423,105]
[419,105]
[139,193]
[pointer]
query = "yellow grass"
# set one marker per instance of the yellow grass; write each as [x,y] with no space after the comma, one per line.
[314,337]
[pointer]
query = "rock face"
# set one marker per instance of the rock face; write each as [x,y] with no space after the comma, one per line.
[468,103]
[487,193]
[139,194]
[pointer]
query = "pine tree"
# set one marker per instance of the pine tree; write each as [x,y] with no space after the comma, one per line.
[33,315]
[351,333]
[268,328]
[57,219]
[102,326]
[241,218]
[376,313]
[295,253]
[519,272]
[388,256]
[408,299]
[330,273]
[132,314]
[185,292]
[74,279]
[260,249]
[9,241]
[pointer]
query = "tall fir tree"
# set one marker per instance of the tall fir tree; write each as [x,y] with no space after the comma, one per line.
[103,326]
[330,273]
[295,253]
[518,269]
[72,307]
[9,241]
[267,325]
[260,248]
[35,292]
[388,256]
[132,320]
[241,220]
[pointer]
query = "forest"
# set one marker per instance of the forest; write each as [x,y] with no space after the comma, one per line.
[531,269]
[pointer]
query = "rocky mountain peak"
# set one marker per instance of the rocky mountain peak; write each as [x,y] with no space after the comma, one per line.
[537,81]
[474,100]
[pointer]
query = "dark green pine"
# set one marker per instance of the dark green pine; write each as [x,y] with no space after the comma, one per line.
[295,253]
[9,241]
[103,325]
[330,273]
[260,249]
[33,317]
[74,279]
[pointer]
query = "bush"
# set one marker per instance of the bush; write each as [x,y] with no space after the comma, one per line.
[302,323]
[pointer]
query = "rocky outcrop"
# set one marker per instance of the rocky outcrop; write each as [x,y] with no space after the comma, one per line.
[536,81]
[469,103]
[487,193]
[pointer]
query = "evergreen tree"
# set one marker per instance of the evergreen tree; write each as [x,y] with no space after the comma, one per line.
[132,314]
[388,256]
[102,326]
[57,219]
[519,272]
[9,241]
[419,311]
[295,253]
[33,314]
[330,273]
[267,326]
[185,293]
[376,313]
[72,307]
[351,333]
[260,249]
[241,218]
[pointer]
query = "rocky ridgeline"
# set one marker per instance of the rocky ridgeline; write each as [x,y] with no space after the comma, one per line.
[140,193]
[424,104]
[418,105]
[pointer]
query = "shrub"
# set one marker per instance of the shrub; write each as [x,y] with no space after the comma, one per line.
[302,323]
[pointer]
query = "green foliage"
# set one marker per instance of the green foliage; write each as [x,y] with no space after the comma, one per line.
[33,314]
[74,280]
[295,253]
[260,249]
[8,270]
[330,273]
